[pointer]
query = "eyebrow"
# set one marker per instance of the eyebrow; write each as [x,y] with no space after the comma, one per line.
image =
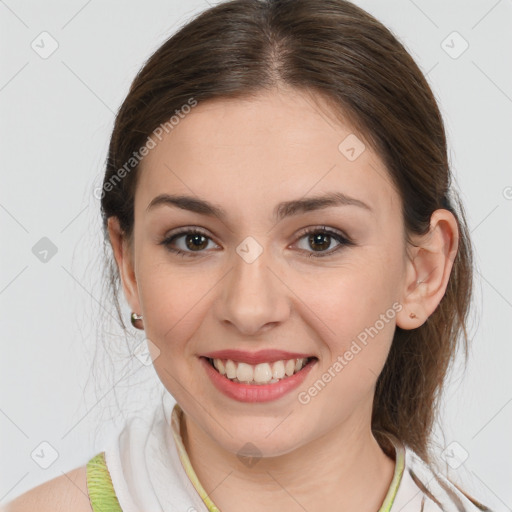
[282,210]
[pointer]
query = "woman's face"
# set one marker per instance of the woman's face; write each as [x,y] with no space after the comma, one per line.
[252,281]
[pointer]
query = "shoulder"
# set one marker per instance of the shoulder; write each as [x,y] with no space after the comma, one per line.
[64,493]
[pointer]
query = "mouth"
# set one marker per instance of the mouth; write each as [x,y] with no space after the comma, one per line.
[261,374]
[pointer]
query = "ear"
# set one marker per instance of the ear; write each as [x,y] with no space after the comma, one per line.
[429,261]
[125,262]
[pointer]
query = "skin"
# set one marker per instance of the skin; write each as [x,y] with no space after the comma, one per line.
[60,494]
[247,155]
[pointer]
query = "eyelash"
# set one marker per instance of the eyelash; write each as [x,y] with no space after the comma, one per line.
[343,240]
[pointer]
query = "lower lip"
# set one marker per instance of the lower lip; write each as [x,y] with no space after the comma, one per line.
[255,392]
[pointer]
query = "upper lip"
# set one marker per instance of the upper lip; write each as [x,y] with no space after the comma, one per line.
[261,356]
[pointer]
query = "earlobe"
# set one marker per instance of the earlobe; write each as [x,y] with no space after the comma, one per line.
[428,270]
[124,260]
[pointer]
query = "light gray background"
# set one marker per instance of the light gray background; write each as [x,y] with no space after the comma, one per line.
[56,118]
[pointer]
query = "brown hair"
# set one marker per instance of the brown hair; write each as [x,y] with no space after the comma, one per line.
[338,51]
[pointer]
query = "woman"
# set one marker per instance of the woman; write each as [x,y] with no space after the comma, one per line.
[277,200]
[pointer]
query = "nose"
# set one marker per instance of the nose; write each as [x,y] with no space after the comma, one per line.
[253,296]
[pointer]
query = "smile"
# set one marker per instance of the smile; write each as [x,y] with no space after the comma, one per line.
[259,374]
[260,377]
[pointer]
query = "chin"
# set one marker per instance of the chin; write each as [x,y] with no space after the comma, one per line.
[268,438]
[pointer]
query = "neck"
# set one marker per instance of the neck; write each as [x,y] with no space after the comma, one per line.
[345,469]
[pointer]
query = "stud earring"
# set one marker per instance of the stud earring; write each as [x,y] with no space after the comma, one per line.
[134,318]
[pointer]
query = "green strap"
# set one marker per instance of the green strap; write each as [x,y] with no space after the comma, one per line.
[397,478]
[99,486]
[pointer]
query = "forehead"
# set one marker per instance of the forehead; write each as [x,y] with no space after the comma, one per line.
[247,153]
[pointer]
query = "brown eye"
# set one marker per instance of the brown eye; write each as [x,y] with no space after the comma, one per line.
[194,242]
[320,240]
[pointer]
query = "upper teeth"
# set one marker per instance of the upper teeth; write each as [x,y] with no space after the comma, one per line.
[261,373]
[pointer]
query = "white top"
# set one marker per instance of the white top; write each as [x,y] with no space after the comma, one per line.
[151,472]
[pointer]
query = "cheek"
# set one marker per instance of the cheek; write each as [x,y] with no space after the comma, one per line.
[353,348]
[171,310]
[354,312]
[172,299]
